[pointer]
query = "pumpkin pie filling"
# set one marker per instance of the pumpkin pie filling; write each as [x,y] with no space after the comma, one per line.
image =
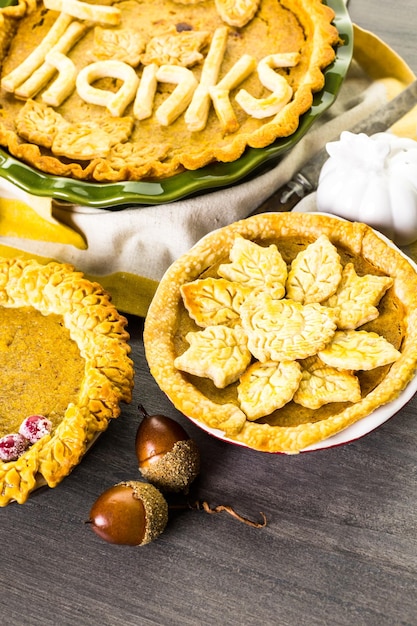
[40,367]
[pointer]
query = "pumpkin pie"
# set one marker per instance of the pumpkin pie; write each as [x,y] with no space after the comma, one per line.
[283,329]
[133,90]
[64,370]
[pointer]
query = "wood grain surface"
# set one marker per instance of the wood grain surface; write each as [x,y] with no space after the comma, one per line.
[340,546]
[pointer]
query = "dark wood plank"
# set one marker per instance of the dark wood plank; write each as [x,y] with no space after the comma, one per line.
[340,546]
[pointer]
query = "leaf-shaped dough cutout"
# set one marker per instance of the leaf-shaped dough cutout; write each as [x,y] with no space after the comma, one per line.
[122,44]
[321,384]
[38,123]
[265,387]
[212,301]
[237,12]
[81,141]
[256,266]
[357,297]
[315,272]
[284,330]
[173,48]
[217,352]
[358,350]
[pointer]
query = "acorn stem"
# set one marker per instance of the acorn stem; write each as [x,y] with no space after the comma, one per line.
[143,411]
[228,509]
[198,505]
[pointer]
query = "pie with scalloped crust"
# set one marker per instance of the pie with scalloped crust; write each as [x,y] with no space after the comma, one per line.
[285,328]
[64,362]
[145,89]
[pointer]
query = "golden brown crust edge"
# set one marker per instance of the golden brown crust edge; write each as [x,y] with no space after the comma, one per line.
[162,320]
[100,333]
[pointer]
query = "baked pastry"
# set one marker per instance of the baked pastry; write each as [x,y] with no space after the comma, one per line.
[146,89]
[65,369]
[283,329]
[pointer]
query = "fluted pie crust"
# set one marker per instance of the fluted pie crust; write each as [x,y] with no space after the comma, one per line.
[170,328]
[89,337]
[202,111]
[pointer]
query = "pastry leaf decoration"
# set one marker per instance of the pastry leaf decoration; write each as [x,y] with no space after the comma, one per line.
[322,384]
[212,301]
[255,266]
[284,330]
[217,352]
[285,335]
[358,350]
[265,387]
[315,272]
[357,297]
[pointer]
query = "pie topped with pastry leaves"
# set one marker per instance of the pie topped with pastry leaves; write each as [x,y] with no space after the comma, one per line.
[64,371]
[144,89]
[283,329]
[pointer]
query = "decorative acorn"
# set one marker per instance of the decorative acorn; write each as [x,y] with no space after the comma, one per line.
[135,513]
[167,457]
[130,513]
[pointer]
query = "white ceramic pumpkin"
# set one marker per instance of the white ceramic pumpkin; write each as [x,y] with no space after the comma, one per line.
[372,179]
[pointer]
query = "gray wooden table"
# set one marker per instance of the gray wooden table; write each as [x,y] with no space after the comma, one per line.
[340,547]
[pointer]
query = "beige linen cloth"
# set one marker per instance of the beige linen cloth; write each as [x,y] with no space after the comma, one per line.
[128,250]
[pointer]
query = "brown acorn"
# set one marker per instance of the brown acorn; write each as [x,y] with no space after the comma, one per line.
[167,457]
[130,513]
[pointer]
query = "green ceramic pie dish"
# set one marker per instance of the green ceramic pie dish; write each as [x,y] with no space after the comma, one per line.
[113,196]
